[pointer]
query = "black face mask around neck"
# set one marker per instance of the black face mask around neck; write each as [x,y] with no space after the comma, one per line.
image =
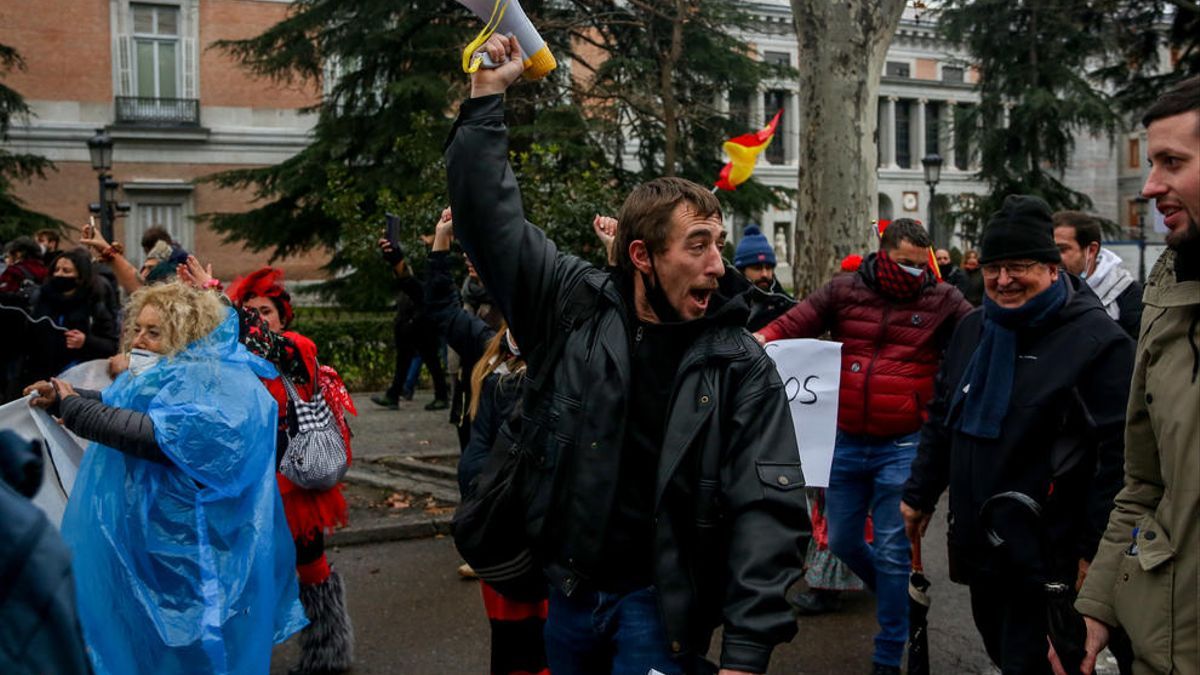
[662,307]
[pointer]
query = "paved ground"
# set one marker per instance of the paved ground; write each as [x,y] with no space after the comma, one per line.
[413,614]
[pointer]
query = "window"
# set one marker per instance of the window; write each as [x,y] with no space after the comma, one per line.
[147,214]
[1133,216]
[962,137]
[897,69]
[933,119]
[739,109]
[156,51]
[952,74]
[1135,154]
[777,58]
[774,101]
[903,135]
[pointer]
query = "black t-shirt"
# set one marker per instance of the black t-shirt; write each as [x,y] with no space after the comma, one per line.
[627,557]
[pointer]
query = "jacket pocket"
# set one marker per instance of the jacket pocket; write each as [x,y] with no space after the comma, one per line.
[1144,592]
[780,477]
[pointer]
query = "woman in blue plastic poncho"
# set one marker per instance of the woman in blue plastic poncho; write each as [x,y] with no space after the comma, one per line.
[182,555]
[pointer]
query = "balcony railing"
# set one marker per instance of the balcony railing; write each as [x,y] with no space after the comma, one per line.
[158,112]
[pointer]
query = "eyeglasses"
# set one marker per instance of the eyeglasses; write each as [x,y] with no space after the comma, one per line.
[1016,270]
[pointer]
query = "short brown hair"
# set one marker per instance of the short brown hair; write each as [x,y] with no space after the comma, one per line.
[48,235]
[1087,228]
[154,235]
[904,229]
[1182,98]
[646,214]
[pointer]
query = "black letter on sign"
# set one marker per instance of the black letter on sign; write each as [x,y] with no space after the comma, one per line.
[793,388]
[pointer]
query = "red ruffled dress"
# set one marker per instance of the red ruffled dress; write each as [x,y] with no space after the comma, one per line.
[310,511]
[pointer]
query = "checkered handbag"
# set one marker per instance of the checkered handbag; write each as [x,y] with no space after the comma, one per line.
[315,458]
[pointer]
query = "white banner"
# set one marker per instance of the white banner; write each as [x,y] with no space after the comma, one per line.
[811,371]
[62,451]
[61,455]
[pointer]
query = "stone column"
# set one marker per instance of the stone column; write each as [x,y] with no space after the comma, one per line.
[920,145]
[948,137]
[889,141]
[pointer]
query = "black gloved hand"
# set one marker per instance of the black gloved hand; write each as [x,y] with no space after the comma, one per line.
[393,254]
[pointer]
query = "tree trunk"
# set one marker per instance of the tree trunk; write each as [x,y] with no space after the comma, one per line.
[842,48]
[669,100]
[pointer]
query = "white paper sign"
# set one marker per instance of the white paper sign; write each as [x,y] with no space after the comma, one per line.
[811,371]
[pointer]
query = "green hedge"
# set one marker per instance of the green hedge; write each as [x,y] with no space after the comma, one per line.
[358,344]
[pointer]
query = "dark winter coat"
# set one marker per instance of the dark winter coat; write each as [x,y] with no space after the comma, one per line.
[1061,442]
[971,286]
[468,335]
[765,306]
[729,508]
[890,350]
[84,311]
[39,628]
[28,273]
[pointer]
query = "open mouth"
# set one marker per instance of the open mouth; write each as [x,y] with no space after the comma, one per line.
[1169,211]
[701,296]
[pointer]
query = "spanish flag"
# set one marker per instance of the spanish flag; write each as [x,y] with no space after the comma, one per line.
[743,154]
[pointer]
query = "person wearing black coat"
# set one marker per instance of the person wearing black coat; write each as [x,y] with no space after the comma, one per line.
[39,627]
[74,299]
[664,440]
[413,333]
[1026,429]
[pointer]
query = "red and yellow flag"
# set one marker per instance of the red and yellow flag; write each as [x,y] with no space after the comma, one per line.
[743,154]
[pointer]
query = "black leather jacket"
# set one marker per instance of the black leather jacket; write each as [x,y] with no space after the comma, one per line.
[730,515]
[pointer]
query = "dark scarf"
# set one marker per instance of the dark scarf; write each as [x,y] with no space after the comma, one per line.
[657,298]
[893,282]
[988,379]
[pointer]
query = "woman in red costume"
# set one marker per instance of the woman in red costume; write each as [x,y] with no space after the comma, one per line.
[265,308]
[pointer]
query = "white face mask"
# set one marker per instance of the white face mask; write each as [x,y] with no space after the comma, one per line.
[1086,263]
[141,360]
[915,271]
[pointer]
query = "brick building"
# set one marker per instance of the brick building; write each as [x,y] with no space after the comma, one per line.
[176,109]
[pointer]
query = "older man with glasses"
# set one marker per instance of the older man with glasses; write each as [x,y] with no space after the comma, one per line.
[1026,431]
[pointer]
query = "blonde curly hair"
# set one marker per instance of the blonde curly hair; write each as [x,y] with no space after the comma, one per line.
[186,314]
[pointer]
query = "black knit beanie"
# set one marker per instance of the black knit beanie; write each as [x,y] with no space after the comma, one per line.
[1021,230]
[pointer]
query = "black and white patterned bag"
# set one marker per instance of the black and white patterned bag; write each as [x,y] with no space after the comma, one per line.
[315,458]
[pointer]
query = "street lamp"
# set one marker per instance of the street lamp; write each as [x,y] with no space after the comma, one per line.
[100,147]
[933,173]
[1141,236]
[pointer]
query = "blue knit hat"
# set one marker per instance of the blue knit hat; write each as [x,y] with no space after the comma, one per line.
[753,249]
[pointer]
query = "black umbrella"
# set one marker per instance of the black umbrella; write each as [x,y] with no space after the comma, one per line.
[918,613]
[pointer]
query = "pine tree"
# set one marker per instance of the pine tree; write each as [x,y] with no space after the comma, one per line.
[1036,93]
[1139,32]
[15,219]
[396,77]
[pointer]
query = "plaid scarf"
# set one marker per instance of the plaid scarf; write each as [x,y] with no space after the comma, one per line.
[894,282]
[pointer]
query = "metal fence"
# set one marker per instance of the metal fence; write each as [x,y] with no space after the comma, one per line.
[158,112]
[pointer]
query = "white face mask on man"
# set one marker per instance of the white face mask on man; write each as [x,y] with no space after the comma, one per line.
[915,271]
[141,360]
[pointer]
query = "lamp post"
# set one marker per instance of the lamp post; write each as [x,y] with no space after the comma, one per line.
[932,164]
[1141,236]
[100,147]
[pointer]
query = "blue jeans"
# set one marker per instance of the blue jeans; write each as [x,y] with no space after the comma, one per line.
[868,475]
[594,633]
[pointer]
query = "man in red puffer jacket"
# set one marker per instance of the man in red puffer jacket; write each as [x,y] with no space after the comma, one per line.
[893,319]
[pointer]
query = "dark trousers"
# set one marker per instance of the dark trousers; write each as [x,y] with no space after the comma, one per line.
[418,340]
[1011,618]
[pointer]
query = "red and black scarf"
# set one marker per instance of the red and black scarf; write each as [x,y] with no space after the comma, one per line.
[894,282]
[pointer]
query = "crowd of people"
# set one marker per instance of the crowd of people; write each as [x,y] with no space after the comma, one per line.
[630,476]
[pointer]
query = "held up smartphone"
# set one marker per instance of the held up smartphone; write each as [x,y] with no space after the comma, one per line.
[393,230]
